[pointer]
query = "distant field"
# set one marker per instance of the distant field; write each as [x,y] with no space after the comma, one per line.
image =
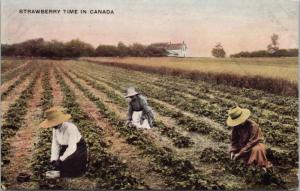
[286,68]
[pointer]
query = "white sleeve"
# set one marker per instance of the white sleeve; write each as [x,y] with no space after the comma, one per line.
[72,142]
[54,148]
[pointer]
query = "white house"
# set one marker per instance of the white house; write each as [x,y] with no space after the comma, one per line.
[176,49]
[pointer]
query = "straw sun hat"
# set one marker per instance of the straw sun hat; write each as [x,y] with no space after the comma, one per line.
[237,116]
[131,92]
[54,116]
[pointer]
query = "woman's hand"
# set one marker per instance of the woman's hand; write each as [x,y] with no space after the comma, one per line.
[231,155]
[56,164]
[53,162]
[127,123]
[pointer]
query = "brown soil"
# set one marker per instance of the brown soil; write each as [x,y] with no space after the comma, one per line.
[56,91]
[22,143]
[138,166]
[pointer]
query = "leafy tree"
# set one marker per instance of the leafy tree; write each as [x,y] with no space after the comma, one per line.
[274,46]
[77,48]
[137,50]
[53,49]
[218,51]
[155,51]
[106,50]
[123,49]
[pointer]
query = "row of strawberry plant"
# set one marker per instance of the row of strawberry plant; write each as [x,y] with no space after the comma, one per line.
[20,80]
[14,118]
[274,136]
[40,160]
[178,139]
[191,124]
[110,172]
[184,173]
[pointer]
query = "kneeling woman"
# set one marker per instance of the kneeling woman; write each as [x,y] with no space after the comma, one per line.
[247,140]
[69,151]
[139,113]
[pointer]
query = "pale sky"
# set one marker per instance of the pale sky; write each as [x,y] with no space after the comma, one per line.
[240,25]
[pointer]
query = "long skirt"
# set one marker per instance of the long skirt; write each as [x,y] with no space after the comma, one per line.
[257,156]
[75,164]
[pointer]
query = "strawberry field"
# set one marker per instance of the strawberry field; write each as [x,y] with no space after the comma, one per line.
[187,149]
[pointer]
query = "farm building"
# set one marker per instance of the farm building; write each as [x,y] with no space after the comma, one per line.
[174,49]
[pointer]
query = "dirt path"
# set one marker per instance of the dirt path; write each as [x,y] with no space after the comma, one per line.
[138,166]
[22,143]
[56,91]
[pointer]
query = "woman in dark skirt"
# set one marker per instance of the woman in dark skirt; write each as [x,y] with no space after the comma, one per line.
[68,151]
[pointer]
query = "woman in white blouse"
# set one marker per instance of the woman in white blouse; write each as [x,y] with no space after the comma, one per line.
[68,151]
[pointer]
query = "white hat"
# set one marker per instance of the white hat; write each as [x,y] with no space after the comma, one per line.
[131,92]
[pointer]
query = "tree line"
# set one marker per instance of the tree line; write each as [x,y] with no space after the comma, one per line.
[264,53]
[271,51]
[77,48]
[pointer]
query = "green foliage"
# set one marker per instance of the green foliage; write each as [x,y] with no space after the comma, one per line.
[264,53]
[76,48]
[218,51]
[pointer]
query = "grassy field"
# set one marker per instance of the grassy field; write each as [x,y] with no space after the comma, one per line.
[285,68]
[187,149]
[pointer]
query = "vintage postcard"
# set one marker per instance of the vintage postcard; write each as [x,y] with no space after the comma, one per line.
[151,94]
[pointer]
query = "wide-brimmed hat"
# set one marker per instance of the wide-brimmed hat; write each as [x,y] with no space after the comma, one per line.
[131,92]
[237,116]
[54,116]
